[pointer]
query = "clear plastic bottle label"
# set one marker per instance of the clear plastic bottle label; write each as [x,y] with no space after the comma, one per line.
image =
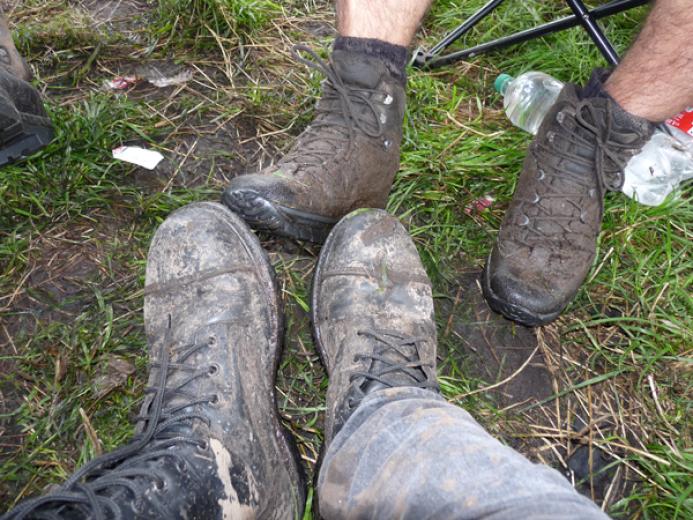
[683,121]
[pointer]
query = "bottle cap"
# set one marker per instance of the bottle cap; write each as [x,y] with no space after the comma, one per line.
[501,82]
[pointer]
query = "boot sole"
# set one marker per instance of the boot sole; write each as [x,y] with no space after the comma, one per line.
[513,312]
[265,215]
[21,134]
[315,284]
[269,281]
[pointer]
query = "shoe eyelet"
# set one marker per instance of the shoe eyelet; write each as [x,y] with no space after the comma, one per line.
[211,340]
[203,446]
[181,466]
[540,174]
[383,118]
[560,116]
[386,144]
[214,399]
[550,136]
[159,485]
[388,100]
[213,369]
[524,221]
[536,198]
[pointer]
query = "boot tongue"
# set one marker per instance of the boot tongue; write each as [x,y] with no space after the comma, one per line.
[358,69]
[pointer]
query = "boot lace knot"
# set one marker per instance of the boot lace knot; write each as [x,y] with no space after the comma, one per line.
[614,147]
[558,157]
[395,361]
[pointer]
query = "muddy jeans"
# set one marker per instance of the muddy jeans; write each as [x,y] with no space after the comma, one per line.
[406,453]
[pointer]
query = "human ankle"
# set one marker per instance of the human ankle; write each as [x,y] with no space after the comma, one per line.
[598,86]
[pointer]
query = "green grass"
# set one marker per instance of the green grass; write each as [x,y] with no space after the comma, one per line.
[200,23]
[75,227]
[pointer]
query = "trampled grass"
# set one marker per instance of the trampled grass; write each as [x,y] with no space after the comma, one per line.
[75,227]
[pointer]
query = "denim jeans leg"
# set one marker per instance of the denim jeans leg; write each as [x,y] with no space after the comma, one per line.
[406,453]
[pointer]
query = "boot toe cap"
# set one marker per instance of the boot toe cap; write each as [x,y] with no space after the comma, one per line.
[529,298]
[201,237]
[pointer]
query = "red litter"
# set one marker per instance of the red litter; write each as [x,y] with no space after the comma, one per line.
[479,205]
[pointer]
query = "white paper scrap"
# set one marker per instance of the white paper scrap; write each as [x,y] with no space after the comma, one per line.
[139,156]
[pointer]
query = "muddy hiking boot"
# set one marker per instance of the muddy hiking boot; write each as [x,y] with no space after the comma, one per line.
[344,160]
[548,237]
[24,124]
[372,313]
[209,443]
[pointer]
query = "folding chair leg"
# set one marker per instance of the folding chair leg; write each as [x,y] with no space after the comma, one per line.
[434,58]
[589,23]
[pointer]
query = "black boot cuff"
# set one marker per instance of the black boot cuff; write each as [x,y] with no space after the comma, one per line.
[394,56]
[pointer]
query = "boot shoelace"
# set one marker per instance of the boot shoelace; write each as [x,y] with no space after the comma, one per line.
[347,102]
[120,468]
[394,353]
[608,178]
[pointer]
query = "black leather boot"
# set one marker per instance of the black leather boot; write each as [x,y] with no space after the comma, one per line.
[372,313]
[24,124]
[209,442]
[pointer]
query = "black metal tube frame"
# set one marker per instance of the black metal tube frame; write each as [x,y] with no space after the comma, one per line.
[581,16]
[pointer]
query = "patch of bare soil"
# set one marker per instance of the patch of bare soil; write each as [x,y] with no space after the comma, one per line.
[64,264]
[204,154]
[493,349]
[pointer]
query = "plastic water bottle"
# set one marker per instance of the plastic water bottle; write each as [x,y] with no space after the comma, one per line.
[664,162]
[527,98]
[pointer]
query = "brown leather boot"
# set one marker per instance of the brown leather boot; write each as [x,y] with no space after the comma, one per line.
[24,124]
[548,237]
[345,159]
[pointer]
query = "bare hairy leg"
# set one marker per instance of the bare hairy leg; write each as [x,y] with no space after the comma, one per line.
[654,79]
[391,21]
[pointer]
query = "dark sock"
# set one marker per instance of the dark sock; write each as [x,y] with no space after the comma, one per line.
[394,56]
[595,85]
[595,89]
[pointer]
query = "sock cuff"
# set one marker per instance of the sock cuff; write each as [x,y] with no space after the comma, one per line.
[595,85]
[394,56]
[595,89]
